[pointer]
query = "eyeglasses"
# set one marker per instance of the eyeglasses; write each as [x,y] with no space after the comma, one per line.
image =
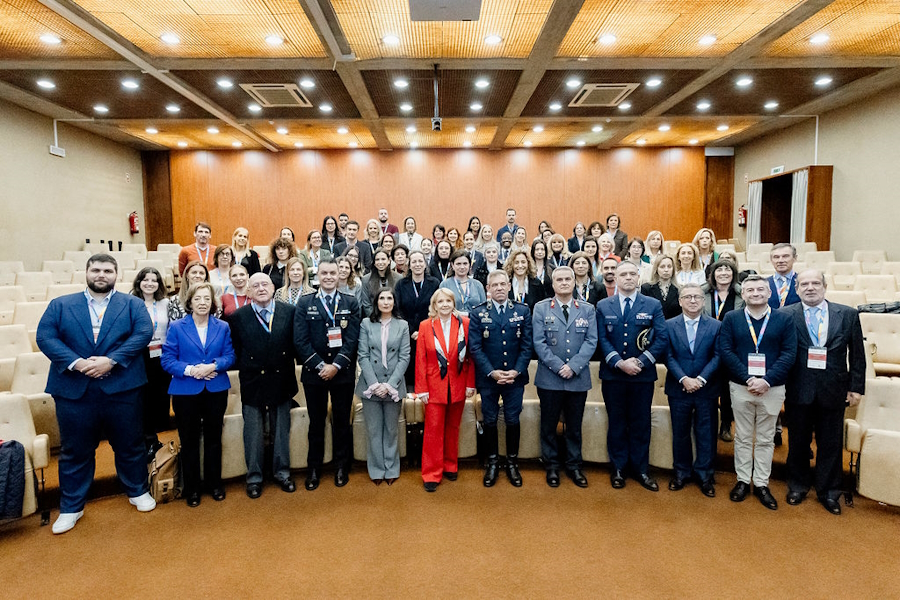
[692,298]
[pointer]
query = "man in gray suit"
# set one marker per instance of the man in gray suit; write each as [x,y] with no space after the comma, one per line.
[565,337]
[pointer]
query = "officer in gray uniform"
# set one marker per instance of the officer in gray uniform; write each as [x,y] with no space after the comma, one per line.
[565,337]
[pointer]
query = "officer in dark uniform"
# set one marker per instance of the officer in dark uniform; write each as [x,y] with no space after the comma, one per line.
[500,341]
[326,334]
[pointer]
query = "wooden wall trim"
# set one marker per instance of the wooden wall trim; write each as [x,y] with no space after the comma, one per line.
[157,198]
[719,203]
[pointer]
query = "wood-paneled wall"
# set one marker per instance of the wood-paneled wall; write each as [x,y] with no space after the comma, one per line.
[649,188]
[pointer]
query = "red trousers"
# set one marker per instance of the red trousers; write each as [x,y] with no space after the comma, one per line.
[440,446]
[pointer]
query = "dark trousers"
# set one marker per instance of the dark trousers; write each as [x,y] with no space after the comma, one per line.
[725,407]
[553,402]
[699,412]
[254,440]
[512,402]
[156,398]
[628,408]
[828,425]
[82,423]
[195,414]
[317,405]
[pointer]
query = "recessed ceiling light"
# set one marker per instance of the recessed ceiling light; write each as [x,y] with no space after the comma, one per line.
[274,40]
[493,40]
[573,83]
[46,84]
[641,142]
[538,128]
[326,108]
[819,38]
[212,130]
[823,81]
[771,105]
[722,128]
[607,39]
[173,108]
[298,144]
[411,129]
[182,144]
[236,144]
[152,130]
[282,131]
[470,129]
[390,40]
[693,142]
[527,143]
[225,84]
[307,83]
[130,84]
[476,106]
[579,143]
[482,83]
[625,106]
[597,128]
[49,38]
[401,83]
[665,127]
[703,105]
[343,130]
[254,108]
[555,106]
[467,144]
[655,82]
[100,108]
[406,107]
[169,38]
[707,40]
[353,144]
[743,82]
[414,145]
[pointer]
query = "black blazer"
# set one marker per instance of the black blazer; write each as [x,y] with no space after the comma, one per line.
[481,273]
[265,361]
[574,246]
[536,293]
[434,269]
[276,274]
[671,307]
[414,309]
[251,262]
[365,253]
[596,292]
[311,325]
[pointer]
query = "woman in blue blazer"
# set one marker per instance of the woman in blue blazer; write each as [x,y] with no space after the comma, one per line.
[197,354]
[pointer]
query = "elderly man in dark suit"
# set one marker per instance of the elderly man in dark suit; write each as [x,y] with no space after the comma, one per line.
[692,386]
[632,339]
[95,340]
[828,375]
[263,337]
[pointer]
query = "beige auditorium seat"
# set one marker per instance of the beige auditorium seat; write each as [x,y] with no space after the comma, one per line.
[725,248]
[234,463]
[124,287]
[804,248]
[529,432]
[167,258]
[360,437]
[34,284]
[300,438]
[139,250]
[851,298]
[79,258]
[766,268]
[173,249]
[891,268]
[13,342]
[62,289]
[759,252]
[661,423]
[883,332]
[594,427]
[741,256]
[843,274]
[468,435]
[128,276]
[61,270]
[8,271]
[30,380]
[125,260]
[29,314]
[263,252]
[10,295]
[750,265]
[819,260]
[870,260]
[79,277]
[96,248]
[143,263]
[300,398]
[16,424]
[671,246]
[878,288]
[595,394]
[875,436]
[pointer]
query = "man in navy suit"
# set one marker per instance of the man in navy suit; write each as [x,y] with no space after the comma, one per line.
[500,341]
[510,226]
[692,385]
[783,284]
[96,341]
[632,337]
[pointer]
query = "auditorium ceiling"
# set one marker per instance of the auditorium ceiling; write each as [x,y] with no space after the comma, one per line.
[277,75]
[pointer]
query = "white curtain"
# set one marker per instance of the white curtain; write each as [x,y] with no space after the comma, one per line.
[798,207]
[754,212]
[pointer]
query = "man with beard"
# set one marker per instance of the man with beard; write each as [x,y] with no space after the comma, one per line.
[386,228]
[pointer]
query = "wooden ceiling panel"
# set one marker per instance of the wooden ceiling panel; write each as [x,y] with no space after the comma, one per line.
[194,132]
[453,134]
[22,22]
[681,131]
[561,134]
[318,134]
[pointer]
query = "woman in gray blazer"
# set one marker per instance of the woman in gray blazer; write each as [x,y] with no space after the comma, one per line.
[383,358]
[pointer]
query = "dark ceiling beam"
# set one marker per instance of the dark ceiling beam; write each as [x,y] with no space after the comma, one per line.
[66,64]
[749,49]
[559,20]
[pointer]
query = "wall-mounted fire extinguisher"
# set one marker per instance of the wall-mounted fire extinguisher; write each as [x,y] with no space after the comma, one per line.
[133,223]
[742,216]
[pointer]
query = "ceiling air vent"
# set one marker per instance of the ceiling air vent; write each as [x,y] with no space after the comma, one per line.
[602,94]
[276,94]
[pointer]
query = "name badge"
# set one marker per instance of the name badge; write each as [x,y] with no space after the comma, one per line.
[155,348]
[756,364]
[817,358]
[334,337]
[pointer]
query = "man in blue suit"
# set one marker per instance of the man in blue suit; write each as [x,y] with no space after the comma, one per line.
[565,336]
[500,341]
[783,284]
[632,339]
[692,385]
[95,341]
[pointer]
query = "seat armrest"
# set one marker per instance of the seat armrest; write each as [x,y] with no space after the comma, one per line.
[852,435]
[40,451]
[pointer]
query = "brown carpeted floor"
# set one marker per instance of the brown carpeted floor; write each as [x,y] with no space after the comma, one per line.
[463,541]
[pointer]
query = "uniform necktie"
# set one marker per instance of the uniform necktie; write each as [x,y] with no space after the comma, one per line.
[502,311]
[691,333]
[627,310]
[329,300]
[565,309]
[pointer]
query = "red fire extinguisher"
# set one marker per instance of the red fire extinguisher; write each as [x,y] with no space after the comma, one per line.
[742,216]
[133,223]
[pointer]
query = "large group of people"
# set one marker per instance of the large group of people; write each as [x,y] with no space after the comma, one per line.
[442,317]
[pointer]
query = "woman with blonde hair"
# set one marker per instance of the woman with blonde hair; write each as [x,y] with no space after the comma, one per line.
[237,297]
[654,246]
[607,248]
[559,251]
[485,236]
[348,282]
[662,286]
[312,255]
[296,282]
[705,242]
[687,265]
[243,253]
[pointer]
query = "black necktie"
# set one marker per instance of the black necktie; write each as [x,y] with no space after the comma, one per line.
[329,302]
[565,308]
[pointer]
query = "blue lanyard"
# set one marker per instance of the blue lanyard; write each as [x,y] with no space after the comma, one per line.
[268,326]
[762,331]
[337,299]
[465,296]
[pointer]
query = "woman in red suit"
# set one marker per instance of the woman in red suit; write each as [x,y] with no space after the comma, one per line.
[445,377]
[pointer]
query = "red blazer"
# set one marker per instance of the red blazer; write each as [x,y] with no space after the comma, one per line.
[428,371]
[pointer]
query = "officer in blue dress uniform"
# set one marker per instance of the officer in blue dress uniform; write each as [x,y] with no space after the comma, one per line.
[500,341]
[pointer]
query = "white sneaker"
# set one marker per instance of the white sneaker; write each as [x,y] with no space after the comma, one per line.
[66,521]
[144,502]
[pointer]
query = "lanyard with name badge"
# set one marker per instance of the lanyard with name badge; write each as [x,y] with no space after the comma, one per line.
[267,326]
[238,304]
[205,258]
[720,306]
[756,362]
[334,332]
[817,354]
[99,317]
[155,346]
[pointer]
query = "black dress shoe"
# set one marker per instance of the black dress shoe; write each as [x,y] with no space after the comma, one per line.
[431,486]
[676,484]
[794,498]
[312,479]
[254,490]
[765,497]
[577,477]
[512,473]
[391,480]
[648,482]
[553,478]
[193,500]
[491,471]
[708,489]
[617,479]
[288,485]
[831,505]
[451,475]
[739,492]
[341,477]
[218,494]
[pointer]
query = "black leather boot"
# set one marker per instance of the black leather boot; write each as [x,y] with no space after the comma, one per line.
[492,462]
[512,455]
